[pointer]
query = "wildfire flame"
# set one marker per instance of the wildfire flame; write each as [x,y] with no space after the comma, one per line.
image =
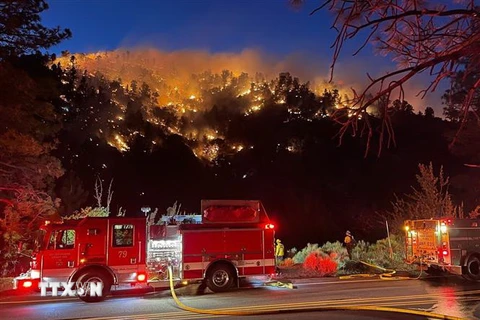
[187,83]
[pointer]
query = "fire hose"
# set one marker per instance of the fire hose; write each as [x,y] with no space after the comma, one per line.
[387,274]
[277,309]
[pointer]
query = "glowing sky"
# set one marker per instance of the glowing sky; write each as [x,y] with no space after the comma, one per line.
[272,27]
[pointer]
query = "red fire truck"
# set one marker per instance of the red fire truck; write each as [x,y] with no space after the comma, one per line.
[445,245]
[230,240]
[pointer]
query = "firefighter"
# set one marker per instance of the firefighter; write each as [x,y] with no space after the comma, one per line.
[279,251]
[350,243]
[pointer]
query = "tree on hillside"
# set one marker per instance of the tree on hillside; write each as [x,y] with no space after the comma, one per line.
[30,122]
[429,200]
[102,209]
[429,113]
[27,169]
[72,192]
[455,97]
[419,36]
[21,31]
[465,117]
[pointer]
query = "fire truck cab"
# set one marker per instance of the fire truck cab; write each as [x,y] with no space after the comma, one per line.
[104,250]
[231,239]
[445,244]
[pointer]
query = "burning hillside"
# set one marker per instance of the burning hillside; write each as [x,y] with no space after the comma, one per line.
[192,94]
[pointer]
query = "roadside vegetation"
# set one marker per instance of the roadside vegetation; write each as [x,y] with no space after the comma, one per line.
[429,198]
[331,258]
[6,284]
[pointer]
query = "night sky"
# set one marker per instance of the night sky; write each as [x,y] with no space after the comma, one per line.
[274,28]
[218,25]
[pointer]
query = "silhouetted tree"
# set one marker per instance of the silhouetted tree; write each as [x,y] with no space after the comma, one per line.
[461,98]
[419,36]
[429,113]
[21,31]
[30,122]
[429,200]
[72,193]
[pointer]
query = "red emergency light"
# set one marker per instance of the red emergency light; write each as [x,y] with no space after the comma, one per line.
[269,226]
[141,277]
[27,284]
[447,222]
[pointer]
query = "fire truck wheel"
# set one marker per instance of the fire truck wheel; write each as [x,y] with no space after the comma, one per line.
[220,278]
[96,278]
[473,268]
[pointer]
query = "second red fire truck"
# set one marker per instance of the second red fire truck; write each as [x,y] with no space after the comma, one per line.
[229,240]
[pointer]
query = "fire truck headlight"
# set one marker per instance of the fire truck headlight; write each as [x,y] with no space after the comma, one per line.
[443,228]
[34,274]
[407,228]
[27,284]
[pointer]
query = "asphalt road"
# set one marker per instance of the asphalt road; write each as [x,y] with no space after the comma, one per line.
[451,296]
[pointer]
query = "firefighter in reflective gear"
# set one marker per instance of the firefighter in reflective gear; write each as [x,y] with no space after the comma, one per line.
[349,243]
[279,251]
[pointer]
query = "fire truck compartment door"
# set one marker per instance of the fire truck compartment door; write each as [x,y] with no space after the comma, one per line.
[203,242]
[243,242]
[427,244]
[246,249]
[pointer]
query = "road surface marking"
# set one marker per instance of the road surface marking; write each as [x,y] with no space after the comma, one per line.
[188,315]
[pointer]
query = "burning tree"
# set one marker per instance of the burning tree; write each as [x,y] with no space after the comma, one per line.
[420,36]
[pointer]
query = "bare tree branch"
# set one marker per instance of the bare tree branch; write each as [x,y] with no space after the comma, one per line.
[6,201]
[98,191]
[419,36]
[109,195]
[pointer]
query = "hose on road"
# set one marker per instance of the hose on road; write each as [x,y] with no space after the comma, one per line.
[257,310]
[387,274]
